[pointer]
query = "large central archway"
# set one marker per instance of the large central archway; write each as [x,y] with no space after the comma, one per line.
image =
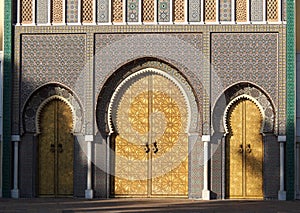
[150,117]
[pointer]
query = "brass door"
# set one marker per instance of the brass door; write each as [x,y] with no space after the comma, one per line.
[151,148]
[244,151]
[55,150]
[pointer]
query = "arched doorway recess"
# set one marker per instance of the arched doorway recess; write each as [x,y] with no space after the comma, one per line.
[55,149]
[150,117]
[244,150]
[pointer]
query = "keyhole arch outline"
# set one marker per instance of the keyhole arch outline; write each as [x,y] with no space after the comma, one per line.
[186,93]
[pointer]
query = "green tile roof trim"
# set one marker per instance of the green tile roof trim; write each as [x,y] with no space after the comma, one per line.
[7,72]
[290,102]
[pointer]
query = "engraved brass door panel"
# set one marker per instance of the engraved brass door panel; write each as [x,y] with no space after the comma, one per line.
[244,152]
[151,146]
[56,150]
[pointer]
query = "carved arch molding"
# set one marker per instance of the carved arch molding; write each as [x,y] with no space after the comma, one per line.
[240,90]
[149,64]
[40,96]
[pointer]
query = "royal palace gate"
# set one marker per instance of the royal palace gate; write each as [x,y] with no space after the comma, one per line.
[151,142]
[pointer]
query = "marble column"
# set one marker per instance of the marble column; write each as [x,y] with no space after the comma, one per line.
[205,191]
[15,193]
[89,190]
[282,192]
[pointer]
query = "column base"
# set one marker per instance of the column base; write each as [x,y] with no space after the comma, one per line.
[89,193]
[205,195]
[15,193]
[281,195]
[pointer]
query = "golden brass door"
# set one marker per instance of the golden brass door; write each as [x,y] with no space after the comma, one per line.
[151,147]
[55,150]
[244,151]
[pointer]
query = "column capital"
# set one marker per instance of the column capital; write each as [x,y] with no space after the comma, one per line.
[89,138]
[281,138]
[205,138]
[15,138]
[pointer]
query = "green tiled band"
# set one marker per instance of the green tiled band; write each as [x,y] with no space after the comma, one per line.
[290,102]
[7,72]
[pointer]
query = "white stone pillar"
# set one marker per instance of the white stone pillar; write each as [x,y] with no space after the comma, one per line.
[202,9]
[279,10]
[232,10]
[18,12]
[15,191]
[89,190]
[205,191]
[264,11]
[282,192]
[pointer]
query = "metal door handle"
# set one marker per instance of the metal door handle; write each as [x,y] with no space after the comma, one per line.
[241,149]
[52,148]
[248,149]
[59,148]
[147,149]
[155,148]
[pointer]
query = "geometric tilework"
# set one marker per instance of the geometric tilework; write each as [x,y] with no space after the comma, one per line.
[196,172]
[42,11]
[196,169]
[257,10]
[210,10]
[57,11]
[179,10]
[112,50]
[133,10]
[105,96]
[225,10]
[32,105]
[245,57]
[52,58]
[241,10]
[71,11]
[103,11]
[148,10]
[87,11]
[26,11]
[239,90]
[117,10]
[163,10]
[194,11]
[272,10]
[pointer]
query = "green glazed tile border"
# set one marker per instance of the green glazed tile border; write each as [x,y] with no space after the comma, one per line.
[290,101]
[6,167]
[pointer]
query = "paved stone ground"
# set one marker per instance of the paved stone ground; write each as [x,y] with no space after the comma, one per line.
[76,205]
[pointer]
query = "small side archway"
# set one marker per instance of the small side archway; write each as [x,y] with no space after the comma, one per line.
[42,96]
[49,100]
[221,111]
[55,148]
[248,91]
[244,122]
